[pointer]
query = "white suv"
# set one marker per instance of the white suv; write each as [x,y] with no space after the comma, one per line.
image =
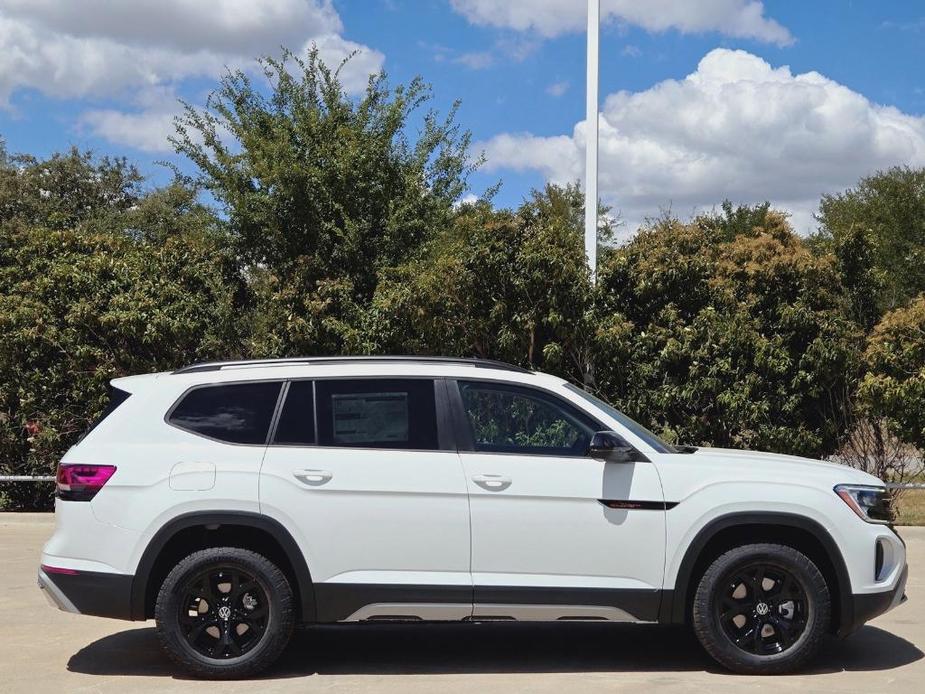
[233,501]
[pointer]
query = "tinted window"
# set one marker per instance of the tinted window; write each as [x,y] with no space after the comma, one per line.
[238,413]
[509,419]
[654,441]
[116,398]
[377,413]
[297,422]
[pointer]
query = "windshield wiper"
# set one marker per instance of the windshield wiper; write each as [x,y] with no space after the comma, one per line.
[684,448]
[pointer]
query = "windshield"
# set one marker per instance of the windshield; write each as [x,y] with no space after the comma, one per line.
[654,441]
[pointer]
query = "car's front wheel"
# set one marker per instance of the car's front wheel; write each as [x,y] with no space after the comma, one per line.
[225,612]
[762,609]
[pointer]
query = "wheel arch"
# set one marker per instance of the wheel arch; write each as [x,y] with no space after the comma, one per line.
[198,530]
[735,529]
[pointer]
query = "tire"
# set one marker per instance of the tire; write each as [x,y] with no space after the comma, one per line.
[762,609]
[224,613]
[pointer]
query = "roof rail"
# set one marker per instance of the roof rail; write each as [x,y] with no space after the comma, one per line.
[477,363]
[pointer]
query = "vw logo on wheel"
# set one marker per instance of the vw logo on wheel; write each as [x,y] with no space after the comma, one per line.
[224,612]
[761,608]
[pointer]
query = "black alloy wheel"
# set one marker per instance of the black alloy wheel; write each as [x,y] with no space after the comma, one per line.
[224,612]
[762,608]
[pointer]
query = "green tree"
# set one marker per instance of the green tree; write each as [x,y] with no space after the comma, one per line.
[322,192]
[894,384]
[877,233]
[66,190]
[499,284]
[732,339]
[92,289]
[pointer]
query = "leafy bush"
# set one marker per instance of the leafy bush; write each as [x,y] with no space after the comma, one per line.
[83,304]
[730,339]
[894,385]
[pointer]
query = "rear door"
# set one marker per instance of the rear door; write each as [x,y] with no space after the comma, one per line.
[365,472]
[556,534]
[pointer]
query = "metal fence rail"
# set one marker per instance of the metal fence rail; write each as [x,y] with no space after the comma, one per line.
[27,478]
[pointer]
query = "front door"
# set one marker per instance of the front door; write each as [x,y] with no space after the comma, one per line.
[555,534]
[363,472]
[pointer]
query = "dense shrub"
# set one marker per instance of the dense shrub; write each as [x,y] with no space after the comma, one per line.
[736,339]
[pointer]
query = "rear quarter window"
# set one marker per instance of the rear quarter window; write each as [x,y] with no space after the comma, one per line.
[116,398]
[233,413]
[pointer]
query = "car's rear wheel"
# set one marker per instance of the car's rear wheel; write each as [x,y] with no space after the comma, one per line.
[224,613]
[762,609]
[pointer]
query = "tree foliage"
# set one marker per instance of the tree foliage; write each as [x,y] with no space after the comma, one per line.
[894,384]
[877,233]
[322,192]
[91,289]
[499,284]
[714,333]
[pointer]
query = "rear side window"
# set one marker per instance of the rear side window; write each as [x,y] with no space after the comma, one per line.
[377,413]
[235,413]
[296,425]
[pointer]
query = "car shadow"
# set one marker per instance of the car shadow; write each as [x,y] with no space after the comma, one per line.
[489,648]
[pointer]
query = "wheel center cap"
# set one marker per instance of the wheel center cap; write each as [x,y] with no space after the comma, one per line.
[762,608]
[224,612]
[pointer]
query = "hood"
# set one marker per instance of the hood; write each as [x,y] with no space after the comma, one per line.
[794,464]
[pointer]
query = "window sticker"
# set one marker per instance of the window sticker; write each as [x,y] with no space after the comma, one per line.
[370,417]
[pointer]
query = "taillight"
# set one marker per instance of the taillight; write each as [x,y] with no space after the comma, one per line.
[82,482]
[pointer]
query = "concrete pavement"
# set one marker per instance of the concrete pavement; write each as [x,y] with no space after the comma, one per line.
[44,650]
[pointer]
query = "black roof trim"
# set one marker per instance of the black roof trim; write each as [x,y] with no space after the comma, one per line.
[478,363]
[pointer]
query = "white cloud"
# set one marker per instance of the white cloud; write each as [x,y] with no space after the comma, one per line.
[558,89]
[234,27]
[736,128]
[99,48]
[145,130]
[738,18]
[148,127]
[477,60]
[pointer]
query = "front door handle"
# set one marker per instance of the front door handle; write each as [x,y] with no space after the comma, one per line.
[492,483]
[313,478]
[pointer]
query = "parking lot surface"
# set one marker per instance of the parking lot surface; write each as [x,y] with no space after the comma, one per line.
[44,650]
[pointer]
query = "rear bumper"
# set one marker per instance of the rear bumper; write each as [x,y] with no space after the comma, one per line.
[88,592]
[867,606]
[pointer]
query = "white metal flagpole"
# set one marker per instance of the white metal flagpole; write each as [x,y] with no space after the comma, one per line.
[594,17]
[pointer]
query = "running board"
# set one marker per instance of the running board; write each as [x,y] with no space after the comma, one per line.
[454,612]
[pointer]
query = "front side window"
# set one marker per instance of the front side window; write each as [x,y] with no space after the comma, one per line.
[509,419]
[234,413]
[650,438]
[377,413]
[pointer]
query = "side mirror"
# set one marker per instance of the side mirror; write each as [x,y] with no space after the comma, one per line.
[607,445]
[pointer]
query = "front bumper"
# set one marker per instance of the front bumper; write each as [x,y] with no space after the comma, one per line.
[866,606]
[88,592]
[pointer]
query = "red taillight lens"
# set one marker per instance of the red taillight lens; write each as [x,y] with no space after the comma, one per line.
[59,570]
[82,482]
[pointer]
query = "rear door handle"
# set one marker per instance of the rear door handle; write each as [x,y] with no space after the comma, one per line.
[313,478]
[492,483]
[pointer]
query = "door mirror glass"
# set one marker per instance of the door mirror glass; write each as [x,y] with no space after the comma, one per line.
[607,445]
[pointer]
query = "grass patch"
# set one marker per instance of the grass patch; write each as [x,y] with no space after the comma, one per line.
[911,508]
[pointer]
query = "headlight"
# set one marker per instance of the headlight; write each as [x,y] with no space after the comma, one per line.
[872,504]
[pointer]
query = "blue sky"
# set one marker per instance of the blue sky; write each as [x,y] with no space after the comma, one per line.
[777,100]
